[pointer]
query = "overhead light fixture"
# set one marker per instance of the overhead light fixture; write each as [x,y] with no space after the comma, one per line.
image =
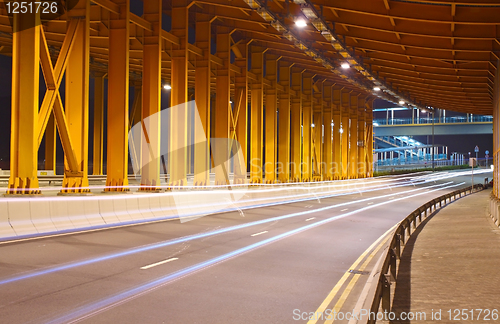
[345,65]
[401,102]
[376,89]
[230,101]
[300,23]
[332,124]
[341,130]
[167,87]
[312,125]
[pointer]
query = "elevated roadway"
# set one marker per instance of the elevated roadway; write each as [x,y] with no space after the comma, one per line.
[439,129]
[268,264]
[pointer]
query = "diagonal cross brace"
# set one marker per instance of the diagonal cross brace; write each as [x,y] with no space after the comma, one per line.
[52,101]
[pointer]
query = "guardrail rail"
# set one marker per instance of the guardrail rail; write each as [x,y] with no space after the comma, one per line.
[388,273]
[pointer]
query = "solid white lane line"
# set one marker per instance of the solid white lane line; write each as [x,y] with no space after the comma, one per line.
[370,203]
[344,209]
[258,233]
[158,263]
[310,219]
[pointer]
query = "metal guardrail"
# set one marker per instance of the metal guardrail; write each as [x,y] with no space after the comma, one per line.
[389,270]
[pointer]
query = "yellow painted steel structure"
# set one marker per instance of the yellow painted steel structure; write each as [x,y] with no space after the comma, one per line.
[297,121]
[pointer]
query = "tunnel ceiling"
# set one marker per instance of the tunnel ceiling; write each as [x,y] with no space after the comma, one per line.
[427,53]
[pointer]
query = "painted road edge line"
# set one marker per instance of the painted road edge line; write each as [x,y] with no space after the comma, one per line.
[264,232]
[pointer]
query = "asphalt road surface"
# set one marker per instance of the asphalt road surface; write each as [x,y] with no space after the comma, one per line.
[263,265]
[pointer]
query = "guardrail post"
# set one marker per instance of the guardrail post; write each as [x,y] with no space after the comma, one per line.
[386,292]
[392,266]
[398,245]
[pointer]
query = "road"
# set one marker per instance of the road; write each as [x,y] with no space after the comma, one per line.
[263,265]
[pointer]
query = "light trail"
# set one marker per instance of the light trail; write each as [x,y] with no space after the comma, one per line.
[213,208]
[197,236]
[92,309]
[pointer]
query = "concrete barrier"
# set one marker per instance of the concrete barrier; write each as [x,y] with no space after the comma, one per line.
[32,216]
[40,216]
[92,213]
[20,217]
[107,211]
[5,229]
[59,214]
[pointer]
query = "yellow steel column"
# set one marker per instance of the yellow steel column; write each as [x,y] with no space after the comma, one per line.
[296,125]
[496,130]
[77,101]
[369,136]
[222,107]
[256,116]
[271,96]
[25,91]
[202,98]
[284,124]
[179,95]
[151,97]
[134,118]
[306,129]
[317,135]
[353,135]
[241,109]
[118,101]
[50,145]
[345,102]
[361,138]
[337,135]
[98,124]
[327,139]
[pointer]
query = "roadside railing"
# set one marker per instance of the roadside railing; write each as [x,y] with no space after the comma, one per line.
[388,273]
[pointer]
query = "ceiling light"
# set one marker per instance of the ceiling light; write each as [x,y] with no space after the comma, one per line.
[401,102]
[345,65]
[300,23]
[312,125]
[167,87]
[376,89]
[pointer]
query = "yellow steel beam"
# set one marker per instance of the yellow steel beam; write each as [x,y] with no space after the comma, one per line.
[336,134]
[327,126]
[353,136]
[307,114]
[223,117]
[118,99]
[179,95]
[256,115]
[98,124]
[345,102]
[271,98]
[53,75]
[135,117]
[296,125]
[50,145]
[151,97]
[362,158]
[284,124]
[25,80]
[202,97]
[241,118]
[77,102]
[369,136]
[317,136]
